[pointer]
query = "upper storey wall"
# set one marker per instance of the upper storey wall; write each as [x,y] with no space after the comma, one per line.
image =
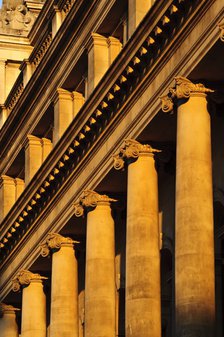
[16,20]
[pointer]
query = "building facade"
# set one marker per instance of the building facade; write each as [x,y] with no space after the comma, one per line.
[111,165]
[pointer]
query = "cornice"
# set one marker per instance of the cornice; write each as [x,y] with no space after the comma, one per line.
[87,134]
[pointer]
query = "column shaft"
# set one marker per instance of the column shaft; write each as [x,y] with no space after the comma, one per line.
[143,308]
[33,310]
[194,238]
[100,273]
[64,293]
[8,325]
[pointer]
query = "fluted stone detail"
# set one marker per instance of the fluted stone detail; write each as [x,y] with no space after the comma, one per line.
[54,242]
[89,200]
[7,308]
[182,90]
[24,278]
[131,150]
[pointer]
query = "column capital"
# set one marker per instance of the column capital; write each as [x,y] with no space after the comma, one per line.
[7,309]
[89,200]
[183,89]
[24,278]
[221,27]
[54,242]
[130,151]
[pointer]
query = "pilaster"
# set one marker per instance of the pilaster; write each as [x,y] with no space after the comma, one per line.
[137,9]
[46,147]
[7,195]
[114,48]
[33,157]
[98,60]
[78,101]
[63,112]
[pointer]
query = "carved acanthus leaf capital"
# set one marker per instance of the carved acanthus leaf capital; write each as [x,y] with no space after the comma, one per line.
[24,278]
[54,242]
[6,308]
[182,90]
[89,200]
[221,26]
[131,151]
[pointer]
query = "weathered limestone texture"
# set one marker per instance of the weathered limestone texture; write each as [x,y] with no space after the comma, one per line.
[33,303]
[194,237]
[100,265]
[64,285]
[143,308]
[8,325]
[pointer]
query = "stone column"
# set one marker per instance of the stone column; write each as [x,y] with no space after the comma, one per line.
[33,157]
[8,325]
[7,195]
[194,237]
[98,60]
[100,265]
[63,112]
[137,9]
[143,308]
[33,303]
[64,285]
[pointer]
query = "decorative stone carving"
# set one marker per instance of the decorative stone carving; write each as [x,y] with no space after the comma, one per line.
[16,16]
[24,278]
[221,26]
[182,90]
[89,200]
[6,308]
[54,242]
[131,151]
